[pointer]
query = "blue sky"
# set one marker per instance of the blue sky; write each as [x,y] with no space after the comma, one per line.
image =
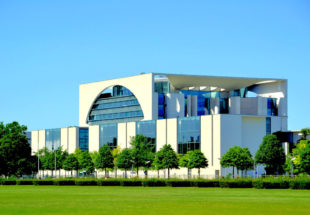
[48,48]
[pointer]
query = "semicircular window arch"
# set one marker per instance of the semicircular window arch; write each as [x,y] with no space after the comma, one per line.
[114,105]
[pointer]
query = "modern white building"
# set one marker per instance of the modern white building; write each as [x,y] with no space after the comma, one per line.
[209,113]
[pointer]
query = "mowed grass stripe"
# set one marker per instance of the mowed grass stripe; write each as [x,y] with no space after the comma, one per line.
[146,200]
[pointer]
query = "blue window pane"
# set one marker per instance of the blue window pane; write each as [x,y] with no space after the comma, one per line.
[272,107]
[148,129]
[188,134]
[52,138]
[83,139]
[108,135]
[268,125]
[161,106]
[111,116]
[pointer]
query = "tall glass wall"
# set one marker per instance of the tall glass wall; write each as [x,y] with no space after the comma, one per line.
[188,134]
[161,106]
[148,129]
[108,135]
[52,139]
[83,139]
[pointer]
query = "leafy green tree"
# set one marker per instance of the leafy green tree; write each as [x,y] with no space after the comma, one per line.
[94,156]
[183,162]
[245,160]
[115,152]
[271,154]
[71,163]
[141,152]
[296,162]
[105,159]
[124,160]
[60,158]
[305,132]
[237,157]
[85,161]
[166,158]
[196,159]
[305,159]
[15,151]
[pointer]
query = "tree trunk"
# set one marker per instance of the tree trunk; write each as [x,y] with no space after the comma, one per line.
[233,172]
[168,173]
[105,172]
[158,173]
[198,172]
[115,172]
[125,173]
[137,171]
[71,173]
[188,173]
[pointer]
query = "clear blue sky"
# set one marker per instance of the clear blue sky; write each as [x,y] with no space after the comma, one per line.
[48,48]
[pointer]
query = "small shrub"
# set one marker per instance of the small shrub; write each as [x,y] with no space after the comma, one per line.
[206,183]
[85,182]
[131,183]
[236,183]
[64,182]
[154,183]
[43,182]
[300,184]
[8,182]
[178,183]
[109,182]
[24,182]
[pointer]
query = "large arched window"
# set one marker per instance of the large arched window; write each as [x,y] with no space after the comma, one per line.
[115,104]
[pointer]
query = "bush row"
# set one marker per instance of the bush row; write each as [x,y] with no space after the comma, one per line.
[261,183]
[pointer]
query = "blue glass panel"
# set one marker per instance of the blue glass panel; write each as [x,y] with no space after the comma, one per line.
[188,134]
[108,135]
[117,104]
[148,129]
[161,106]
[112,116]
[83,139]
[268,125]
[52,138]
[224,105]
[272,107]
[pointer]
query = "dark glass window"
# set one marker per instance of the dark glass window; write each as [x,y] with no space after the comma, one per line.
[272,107]
[268,125]
[108,135]
[148,129]
[224,105]
[188,134]
[52,138]
[162,87]
[83,139]
[161,106]
[121,115]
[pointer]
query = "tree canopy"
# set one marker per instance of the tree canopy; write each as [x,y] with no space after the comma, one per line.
[271,154]
[15,151]
[166,158]
[105,159]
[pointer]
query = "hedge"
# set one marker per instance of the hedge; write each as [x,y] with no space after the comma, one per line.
[258,183]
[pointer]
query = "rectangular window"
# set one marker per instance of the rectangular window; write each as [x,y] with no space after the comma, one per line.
[268,125]
[108,135]
[188,134]
[148,129]
[83,139]
[224,105]
[272,109]
[52,139]
[161,106]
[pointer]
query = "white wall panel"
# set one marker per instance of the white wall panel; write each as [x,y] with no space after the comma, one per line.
[121,135]
[161,133]
[93,138]
[172,133]
[131,132]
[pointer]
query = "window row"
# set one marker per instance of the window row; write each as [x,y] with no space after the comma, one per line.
[116,104]
[112,116]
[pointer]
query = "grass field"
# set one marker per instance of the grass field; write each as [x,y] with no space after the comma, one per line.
[143,200]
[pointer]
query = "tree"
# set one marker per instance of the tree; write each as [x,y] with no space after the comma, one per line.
[305,132]
[196,159]
[60,158]
[296,162]
[141,152]
[237,157]
[166,158]
[71,163]
[85,161]
[15,151]
[183,162]
[271,154]
[115,152]
[94,156]
[305,159]
[105,159]
[124,160]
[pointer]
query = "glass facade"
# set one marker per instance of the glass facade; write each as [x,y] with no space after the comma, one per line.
[162,87]
[188,134]
[224,105]
[161,106]
[108,135]
[115,104]
[148,129]
[268,125]
[52,139]
[83,139]
[272,107]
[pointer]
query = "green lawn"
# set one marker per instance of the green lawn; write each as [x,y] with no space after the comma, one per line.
[143,200]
